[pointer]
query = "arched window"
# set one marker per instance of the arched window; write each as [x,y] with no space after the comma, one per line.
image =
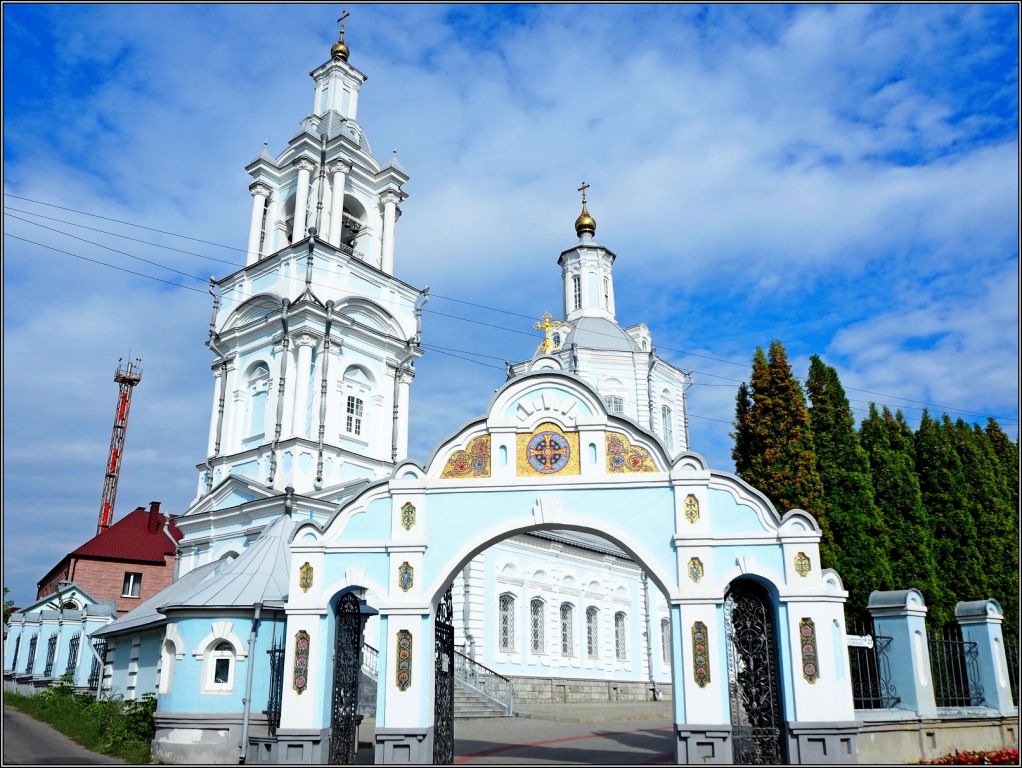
[576,291]
[668,421]
[167,656]
[665,640]
[567,629]
[220,668]
[258,383]
[357,386]
[536,625]
[619,636]
[354,411]
[593,632]
[506,630]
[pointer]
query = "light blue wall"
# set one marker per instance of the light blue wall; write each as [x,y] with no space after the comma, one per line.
[728,516]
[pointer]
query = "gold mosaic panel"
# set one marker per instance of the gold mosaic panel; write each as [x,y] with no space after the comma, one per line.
[474,461]
[802,565]
[305,577]
[622,456]
[691,508]
[567,465]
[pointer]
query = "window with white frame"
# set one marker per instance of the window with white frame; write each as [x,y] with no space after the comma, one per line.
[220,664]
[619,636]
[258,391]
[536,625]
[593,632]
[615,404]
[354,415]
[567,629]
[606,293]
[668,421]
[506,619]
[576,291]
[665,640]
[132,584]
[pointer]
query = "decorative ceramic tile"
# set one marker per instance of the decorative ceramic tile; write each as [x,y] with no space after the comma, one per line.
[408,516]
[404,660]
[691,508]
[405,576]
[474,461]
[802,565]
[622,456]
[807,638]
[700,654]
[301,670]
[305,577]
[695,569]
[548,450]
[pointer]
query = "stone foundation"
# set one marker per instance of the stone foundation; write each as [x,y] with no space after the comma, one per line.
[191,737]
[555,690]
[404,745]
[898,736]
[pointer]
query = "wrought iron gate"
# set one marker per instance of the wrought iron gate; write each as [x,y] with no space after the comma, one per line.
[443,706]
[347,666]
[756,717]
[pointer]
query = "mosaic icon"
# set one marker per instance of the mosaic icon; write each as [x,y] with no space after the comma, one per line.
[700,654]
[695,569]
[548,452]
[474,461]
[802,564]
[807,638]
[405,576]
[300,677]
[404,660]
[691,508]
[407,516]
[622,456]
[305,577]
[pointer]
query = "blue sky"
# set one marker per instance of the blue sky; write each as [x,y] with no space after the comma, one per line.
[842,178]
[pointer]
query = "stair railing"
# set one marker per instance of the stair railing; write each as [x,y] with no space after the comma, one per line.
[370,661]
[491,685]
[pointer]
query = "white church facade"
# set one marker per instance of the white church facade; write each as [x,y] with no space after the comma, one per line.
[566,538]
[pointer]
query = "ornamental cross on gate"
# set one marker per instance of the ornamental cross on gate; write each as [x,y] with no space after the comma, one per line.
[548,452]
[547,325]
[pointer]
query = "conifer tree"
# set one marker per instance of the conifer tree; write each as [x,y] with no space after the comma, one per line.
[741,452]
[856,545]
[888,443]
[942,482]
[778,437]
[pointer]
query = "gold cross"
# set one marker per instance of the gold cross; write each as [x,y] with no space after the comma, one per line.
[583,189]
[340,20]
[547,325]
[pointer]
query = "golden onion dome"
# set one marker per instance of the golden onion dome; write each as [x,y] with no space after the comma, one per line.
[585,222]
[339,50]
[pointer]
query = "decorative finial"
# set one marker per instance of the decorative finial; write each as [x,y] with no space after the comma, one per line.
[340,48]
[584,222]
[547,326]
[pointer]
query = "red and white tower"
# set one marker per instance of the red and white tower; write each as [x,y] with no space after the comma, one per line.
[126,377]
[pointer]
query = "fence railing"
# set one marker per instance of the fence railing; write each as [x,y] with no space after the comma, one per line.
[870,665]
[1011,656]
[955,669]
[490,684]
[370,661]
[96,675]
[72,654]
[276,694]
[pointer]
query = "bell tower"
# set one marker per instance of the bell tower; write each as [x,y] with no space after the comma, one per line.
[314,339]
[587,271]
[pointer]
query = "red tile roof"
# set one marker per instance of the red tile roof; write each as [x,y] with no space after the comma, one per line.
[137,537]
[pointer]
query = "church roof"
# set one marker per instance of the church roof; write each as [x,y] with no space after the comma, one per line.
[582,540]
[601,333]
[137,537]
[259,575]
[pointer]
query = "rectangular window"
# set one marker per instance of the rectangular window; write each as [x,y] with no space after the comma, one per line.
[615,404]
[507,623]
[606,293]
[576,289]
[221,671]
[668,419]
[592,632]
[536,615]
[132,584]
[620,637]
[567,630]
[354,423]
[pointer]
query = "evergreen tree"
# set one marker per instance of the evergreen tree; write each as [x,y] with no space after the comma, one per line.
[777,438]
[856,544]
[888,443]
[741,453]
[943,481]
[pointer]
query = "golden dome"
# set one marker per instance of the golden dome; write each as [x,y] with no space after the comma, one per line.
[585,222]
[339,50]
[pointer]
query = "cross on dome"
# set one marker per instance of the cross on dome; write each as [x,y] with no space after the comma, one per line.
[339,50]
[547,325]
[584,222]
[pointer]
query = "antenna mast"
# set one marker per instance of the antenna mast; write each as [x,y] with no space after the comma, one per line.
[126,377]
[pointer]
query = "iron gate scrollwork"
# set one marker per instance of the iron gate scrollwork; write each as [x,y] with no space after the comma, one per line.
[752,672]
[443,707]
[344,717]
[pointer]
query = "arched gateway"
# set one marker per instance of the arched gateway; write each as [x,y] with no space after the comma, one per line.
[549,456]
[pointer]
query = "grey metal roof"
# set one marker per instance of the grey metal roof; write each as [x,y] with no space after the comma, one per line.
[145,615]
[600,333]
[582,540]
[257,575]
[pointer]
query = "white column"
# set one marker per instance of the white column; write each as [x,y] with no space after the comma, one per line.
[217,383]
[305,167]
[390,200]
[259,194]
[339,169]
[305,344]
[273,214]
[227,437]
[403,387]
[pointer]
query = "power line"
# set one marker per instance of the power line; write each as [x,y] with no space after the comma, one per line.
[439,296]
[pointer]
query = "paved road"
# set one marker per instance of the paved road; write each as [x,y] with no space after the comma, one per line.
[513,740]
[29,742]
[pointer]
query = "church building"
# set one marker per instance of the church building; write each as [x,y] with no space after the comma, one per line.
[564,545]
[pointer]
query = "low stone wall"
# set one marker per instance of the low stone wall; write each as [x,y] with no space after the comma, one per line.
[894,736]
[579,690]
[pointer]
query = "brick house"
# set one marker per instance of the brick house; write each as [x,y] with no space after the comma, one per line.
[130,561]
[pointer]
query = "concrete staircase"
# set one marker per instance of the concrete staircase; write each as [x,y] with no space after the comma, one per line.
[470,703]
